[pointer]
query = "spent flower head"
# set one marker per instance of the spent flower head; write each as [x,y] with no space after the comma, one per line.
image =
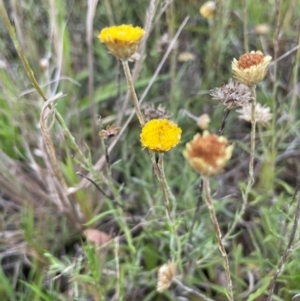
[110,131]
[160,135]
[208,9]
[122,41]
[262,114]
[166,273]
[233,94]
[151,113]
[208,154]
[251,67]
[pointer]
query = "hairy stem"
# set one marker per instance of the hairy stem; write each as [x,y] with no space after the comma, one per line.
[158,167]
[132,91]
[251,165]
[159,171]
[214,220]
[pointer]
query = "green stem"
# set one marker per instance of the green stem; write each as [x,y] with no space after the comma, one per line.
[252,149]
[251,165]
[158,167]
[132,91]
[159,171]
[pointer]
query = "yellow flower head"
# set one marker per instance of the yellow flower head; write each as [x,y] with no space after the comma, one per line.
[122,41]
[208,154]
[251,67]
[208,9]
[160,135]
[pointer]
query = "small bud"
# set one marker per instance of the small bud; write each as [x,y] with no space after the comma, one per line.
[203,121]
[44,63]
[262,29]
[186,56]
[208,9]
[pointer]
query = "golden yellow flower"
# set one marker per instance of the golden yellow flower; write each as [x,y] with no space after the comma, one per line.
[160,135]
[251,67]
[166,273]
[208,9]
[208,154]
[122,41]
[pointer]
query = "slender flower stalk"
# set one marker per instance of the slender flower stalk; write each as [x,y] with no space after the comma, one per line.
[250,69]
[160,135]
[251,180]
[122,41]
[167,194]
[214,220]
[132,91]
[207,155]
[223,123]
[252,149]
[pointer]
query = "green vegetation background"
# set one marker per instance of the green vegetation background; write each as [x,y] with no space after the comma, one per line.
[44,254]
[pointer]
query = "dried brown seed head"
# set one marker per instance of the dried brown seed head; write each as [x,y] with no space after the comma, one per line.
[233,94]
[208,154]
[166,273]
[110,131]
